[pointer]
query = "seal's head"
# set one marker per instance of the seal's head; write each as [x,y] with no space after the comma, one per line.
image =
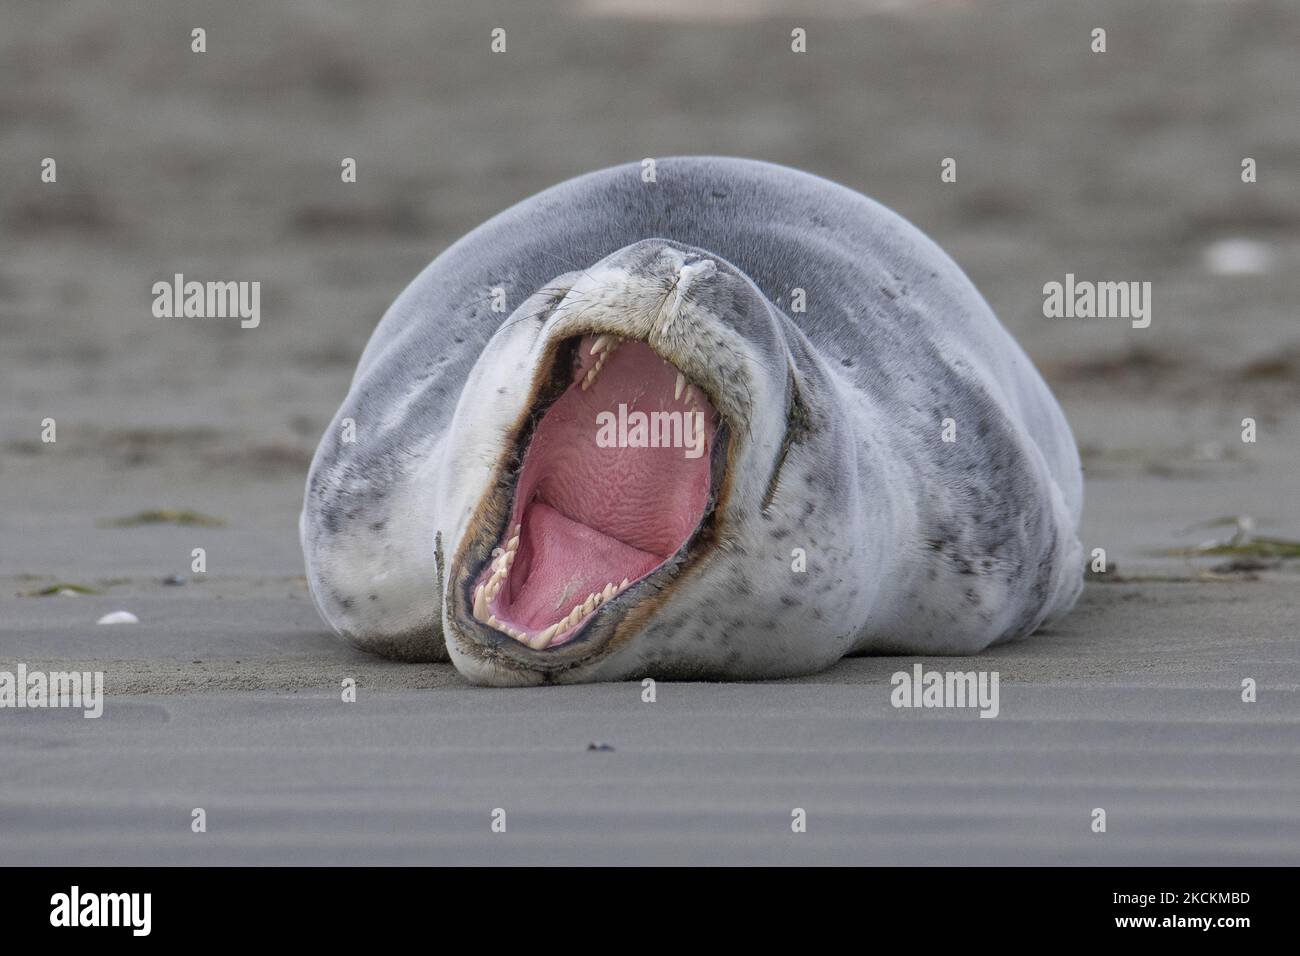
[609,444]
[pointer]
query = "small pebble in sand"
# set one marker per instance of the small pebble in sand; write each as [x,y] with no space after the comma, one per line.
[597,745]
[1238,257]
[119,617]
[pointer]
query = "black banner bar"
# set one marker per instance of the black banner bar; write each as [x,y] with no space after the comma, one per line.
[336,905]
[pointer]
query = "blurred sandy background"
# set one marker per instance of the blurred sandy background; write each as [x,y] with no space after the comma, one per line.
[225,166]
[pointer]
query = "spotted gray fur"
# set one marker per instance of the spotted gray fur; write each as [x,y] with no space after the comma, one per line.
[913,545]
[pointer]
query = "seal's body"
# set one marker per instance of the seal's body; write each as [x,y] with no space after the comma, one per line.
[879,467]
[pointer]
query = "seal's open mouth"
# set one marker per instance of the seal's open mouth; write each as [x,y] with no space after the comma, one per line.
[615,480]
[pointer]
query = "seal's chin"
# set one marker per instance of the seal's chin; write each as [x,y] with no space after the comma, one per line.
[615,482]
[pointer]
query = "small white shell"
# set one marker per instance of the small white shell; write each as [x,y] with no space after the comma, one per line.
[119,617]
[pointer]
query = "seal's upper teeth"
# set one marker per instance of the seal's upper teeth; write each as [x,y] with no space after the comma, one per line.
[603,348]
[590,377]
[681,384]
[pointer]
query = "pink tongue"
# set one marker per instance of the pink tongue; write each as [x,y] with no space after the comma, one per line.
[566,561]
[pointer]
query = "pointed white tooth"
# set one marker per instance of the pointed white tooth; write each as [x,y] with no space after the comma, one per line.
[600,343]
[681,384]
[480,603]
[541,641]
[609,591]
[590,604]
[512,544]
[493,622]
[510,560]
[623,586]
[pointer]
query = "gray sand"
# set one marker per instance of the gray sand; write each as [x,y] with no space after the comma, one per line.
[225,166]
[1127,707]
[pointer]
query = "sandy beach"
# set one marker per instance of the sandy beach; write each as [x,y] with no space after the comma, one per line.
[176,434]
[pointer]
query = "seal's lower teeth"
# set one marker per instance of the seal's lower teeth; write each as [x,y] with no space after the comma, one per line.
[543,638]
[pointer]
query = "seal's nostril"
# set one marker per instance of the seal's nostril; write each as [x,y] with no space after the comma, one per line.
[690,275]
[699,269]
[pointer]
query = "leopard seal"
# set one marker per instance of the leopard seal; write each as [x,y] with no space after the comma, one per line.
[877,467]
